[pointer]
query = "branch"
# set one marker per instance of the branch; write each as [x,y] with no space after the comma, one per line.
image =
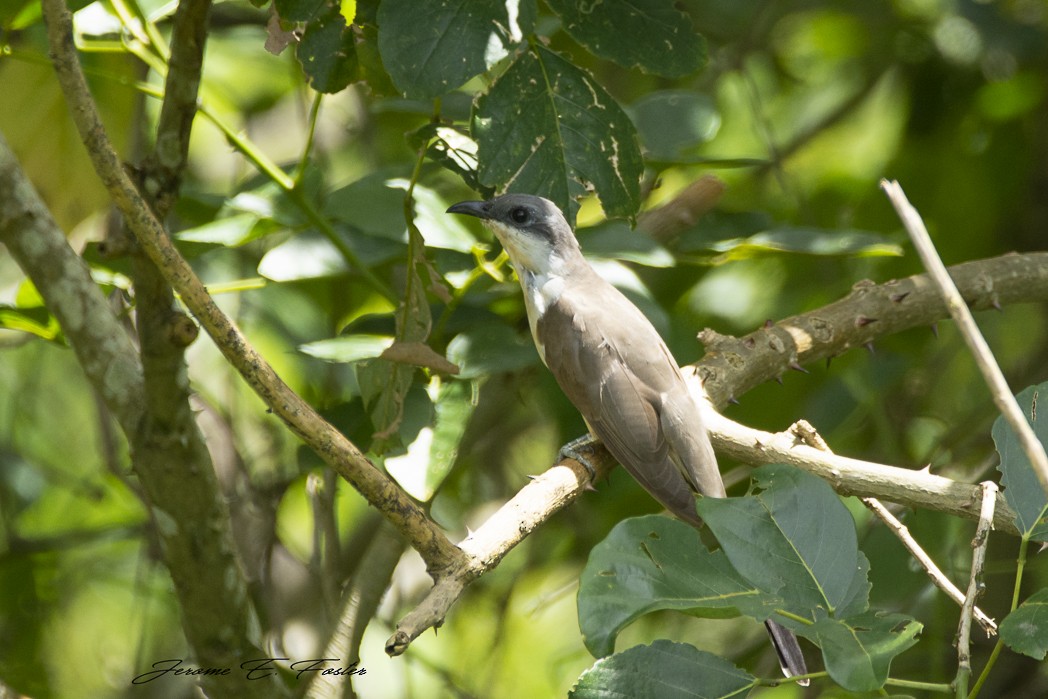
[732,366]
[975,587]
[736,365]
[535,503]
[102,345]
[165,166]
[301,418]
[934,572]
[1003,397]
[847,476]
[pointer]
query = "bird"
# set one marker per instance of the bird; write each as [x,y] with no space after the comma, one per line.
[612,365]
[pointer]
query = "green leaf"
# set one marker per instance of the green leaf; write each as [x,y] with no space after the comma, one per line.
[809,241]
[375,205]
[229,231]
[663,670]
[429,459]
[615,240]
[35,321]
[672,123]
[327,51]
[858,651]
[312,256]
[1025,630]
[1022,489]
[547,128]
[348,348]
[432,47]
[652,563]
[792,537]
[299,10]
[491,348]
[660,38]
[453,150]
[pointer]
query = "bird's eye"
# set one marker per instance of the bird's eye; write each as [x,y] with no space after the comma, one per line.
[519,215]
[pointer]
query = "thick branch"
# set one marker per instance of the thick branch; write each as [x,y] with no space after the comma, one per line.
[918,489]
[102,345]
[733,365]
[323,438]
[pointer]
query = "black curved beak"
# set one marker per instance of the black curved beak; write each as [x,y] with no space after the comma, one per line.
[471,208]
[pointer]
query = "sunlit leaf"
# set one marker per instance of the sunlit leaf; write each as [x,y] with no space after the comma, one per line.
[809,241]
[347,348]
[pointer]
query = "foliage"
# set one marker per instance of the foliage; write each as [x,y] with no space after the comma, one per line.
[313,206]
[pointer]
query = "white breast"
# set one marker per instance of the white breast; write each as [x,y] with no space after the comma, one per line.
[540,292]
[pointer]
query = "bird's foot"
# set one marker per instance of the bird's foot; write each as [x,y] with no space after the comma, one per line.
[580,450]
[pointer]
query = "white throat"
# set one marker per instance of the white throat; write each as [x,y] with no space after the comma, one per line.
[541,290]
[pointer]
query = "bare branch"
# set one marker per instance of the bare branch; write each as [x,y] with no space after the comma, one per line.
[975,587]
[919,489]
[992,374]
[934,572]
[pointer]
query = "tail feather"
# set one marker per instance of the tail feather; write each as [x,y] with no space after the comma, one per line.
[791,659]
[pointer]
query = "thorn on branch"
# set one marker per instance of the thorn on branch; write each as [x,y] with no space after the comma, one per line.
[797,367]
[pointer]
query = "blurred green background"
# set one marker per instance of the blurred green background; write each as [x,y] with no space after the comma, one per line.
[802,108]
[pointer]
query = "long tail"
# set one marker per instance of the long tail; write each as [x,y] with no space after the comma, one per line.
[791,660]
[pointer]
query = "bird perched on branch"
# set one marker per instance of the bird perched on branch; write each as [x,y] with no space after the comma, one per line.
[613,366]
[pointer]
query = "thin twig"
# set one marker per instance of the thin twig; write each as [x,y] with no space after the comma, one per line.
[1002,395]
[937,576]
[982,538]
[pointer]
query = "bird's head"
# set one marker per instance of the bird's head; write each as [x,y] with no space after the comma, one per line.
[533,230]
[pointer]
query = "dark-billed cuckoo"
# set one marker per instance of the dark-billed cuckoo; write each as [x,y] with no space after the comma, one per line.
[612,364]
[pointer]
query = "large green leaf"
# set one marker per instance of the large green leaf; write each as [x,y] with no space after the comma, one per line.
[547,128]
[672,123]
[434,46]
[858,651]
[663,670]
[347,348]
[661,39]
[1025,630]
[614,240]
[489,349]
[430,457]
[792,537]
[809,241]
[1022,489]
[327,51]
[651,563]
